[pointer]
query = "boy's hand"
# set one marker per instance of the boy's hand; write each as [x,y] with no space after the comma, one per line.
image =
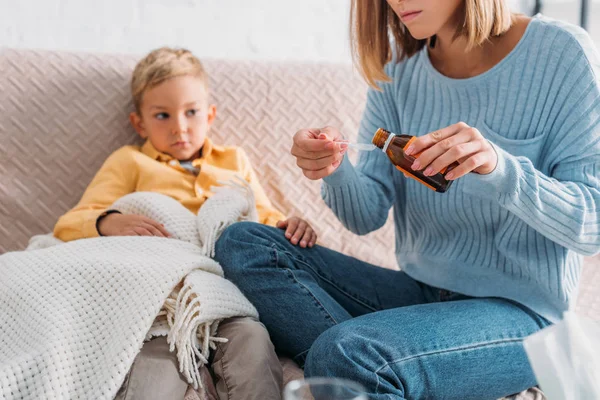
[130,225]
[297,231]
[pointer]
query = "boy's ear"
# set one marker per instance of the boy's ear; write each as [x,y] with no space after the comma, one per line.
[212,113]
[136,122]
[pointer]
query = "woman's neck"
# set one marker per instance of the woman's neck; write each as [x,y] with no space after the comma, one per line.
[451,57]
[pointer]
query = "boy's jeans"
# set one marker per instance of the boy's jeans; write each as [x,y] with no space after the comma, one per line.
[398,337]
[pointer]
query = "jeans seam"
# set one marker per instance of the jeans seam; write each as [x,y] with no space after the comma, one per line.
[450,350]
[326,279]
[315,299]
[378,380]
[320,305]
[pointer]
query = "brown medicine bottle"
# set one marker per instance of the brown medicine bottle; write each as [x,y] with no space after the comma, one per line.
[393,145]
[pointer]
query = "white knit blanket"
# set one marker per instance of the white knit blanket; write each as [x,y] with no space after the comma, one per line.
[73,316]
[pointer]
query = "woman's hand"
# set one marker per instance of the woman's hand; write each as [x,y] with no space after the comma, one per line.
[318,152]
[298,230]
[458,142]
[130,225]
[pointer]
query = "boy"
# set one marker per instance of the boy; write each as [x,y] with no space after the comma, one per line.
[172,112]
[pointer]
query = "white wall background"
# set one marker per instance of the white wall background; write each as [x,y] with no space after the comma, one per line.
[256,29]
[241,29]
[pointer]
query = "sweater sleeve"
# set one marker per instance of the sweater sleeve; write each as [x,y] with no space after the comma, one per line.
[115,179]
[564,204]
[362,195]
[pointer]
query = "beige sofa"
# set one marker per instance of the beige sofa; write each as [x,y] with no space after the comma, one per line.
[62,114]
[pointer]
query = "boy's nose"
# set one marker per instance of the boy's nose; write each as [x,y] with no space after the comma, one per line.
[180,126]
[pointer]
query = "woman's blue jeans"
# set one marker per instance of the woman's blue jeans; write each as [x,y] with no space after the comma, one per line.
[401,339]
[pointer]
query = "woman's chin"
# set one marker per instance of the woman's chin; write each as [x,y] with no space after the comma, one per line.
[420,34]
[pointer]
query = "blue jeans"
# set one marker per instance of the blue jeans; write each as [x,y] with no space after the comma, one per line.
[401,339]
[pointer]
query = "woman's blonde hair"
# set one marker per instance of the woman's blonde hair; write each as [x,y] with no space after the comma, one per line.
[160,65]
[376,33]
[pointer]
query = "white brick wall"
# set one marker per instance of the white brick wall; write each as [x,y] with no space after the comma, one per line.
[240,29]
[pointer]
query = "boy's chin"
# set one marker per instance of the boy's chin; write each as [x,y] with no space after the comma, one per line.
[188,155]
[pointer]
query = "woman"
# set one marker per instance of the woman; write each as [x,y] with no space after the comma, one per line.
[516,102]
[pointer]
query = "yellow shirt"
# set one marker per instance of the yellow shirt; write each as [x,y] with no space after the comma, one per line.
[144,169]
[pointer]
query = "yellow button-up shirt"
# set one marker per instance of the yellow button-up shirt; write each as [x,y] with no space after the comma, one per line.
[144,169]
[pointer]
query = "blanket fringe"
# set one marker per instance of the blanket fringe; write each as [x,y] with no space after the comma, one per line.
[191,338]
[233,187]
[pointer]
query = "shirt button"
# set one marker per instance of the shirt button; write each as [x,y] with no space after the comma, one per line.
[199,191]
[173,162]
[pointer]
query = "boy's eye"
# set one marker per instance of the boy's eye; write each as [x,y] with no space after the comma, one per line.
[162,115]
[191,113]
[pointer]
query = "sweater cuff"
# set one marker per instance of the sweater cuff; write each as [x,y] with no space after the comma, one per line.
[503,180]
[343,174]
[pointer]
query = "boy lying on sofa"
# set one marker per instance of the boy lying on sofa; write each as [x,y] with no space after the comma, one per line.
[173,113]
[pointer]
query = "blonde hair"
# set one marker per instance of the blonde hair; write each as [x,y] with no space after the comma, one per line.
[160,65]
[373,22]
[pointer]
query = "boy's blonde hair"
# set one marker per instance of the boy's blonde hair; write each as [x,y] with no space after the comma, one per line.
[160,65]
[373,22]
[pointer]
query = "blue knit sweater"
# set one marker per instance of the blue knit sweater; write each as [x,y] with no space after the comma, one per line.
[519,232]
